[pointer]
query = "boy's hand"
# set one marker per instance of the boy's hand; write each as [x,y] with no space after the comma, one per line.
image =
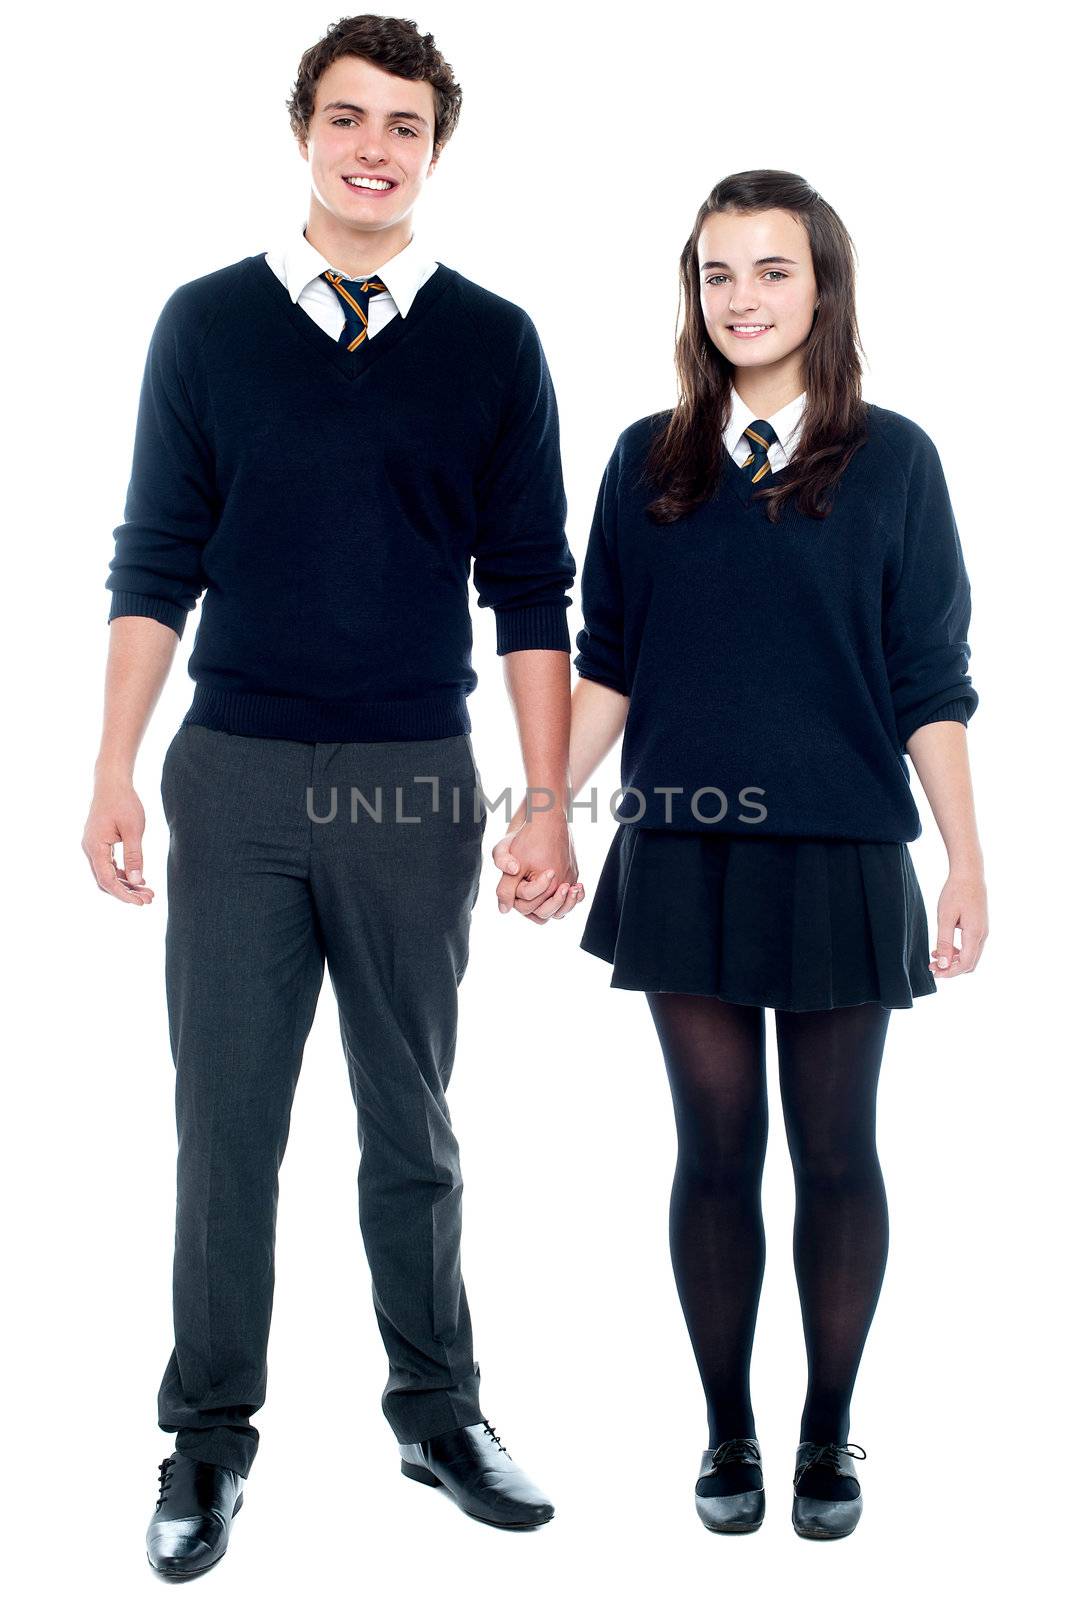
[117,816]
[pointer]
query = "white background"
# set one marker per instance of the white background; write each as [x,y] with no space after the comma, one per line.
[148,145]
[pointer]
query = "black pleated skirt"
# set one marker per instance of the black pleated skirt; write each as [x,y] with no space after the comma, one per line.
[793,924]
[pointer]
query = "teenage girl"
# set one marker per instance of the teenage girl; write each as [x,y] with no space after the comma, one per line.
[775,611]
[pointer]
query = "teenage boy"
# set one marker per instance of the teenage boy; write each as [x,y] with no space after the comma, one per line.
[329,433]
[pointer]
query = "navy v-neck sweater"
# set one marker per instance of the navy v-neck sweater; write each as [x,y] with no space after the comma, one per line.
[776,671]
[328,505]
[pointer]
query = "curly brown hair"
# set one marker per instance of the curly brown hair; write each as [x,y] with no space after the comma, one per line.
[391,43]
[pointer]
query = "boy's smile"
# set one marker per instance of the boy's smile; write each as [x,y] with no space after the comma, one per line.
[370,150]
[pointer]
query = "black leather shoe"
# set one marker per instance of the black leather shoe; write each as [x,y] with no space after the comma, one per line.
[473,1464]
[190,1529]
[739,1512]
[816,1518]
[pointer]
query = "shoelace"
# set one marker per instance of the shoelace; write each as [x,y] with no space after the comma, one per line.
[828,1455]
[165,1468]
[735,1450]
[492,1434]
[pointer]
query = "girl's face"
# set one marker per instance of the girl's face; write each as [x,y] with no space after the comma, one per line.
[758,289]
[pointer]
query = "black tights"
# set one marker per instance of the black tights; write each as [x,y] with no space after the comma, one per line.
[829,1068]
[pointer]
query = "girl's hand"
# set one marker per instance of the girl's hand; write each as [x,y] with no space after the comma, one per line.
[962,904]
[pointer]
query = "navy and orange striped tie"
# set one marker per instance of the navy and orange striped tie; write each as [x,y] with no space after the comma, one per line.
[354,296]
[761,436]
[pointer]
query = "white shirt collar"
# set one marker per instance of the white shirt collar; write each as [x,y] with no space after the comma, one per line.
[402,275]
[787,423]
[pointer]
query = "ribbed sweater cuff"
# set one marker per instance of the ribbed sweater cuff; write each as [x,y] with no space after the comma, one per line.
[124,604]
[954,711]
[543,627]
[596,675]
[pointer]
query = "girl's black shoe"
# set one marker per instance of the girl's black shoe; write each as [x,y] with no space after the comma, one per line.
[729,1495]
[834,1508]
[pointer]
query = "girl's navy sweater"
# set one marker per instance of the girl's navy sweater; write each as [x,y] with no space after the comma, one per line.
[331,504]
[776,671]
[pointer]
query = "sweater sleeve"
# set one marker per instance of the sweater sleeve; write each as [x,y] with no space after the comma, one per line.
[522,564]
[171,505]
[601,641]
[927,607]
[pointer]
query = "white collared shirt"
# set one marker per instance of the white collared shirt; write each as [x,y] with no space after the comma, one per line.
[299,266]
[786,424]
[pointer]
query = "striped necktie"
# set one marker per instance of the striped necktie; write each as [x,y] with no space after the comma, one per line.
[761,436]
[354,296]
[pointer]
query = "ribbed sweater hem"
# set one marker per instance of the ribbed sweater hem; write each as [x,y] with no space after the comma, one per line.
[269,716]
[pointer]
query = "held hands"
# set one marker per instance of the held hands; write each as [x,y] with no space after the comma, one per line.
[116,815]
[962,904]
[539,868]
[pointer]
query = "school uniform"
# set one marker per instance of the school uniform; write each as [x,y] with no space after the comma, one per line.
[328,461]
[775,673]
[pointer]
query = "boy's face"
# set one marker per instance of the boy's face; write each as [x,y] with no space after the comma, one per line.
[369,124]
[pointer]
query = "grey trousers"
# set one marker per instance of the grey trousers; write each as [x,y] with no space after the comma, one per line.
[269,877]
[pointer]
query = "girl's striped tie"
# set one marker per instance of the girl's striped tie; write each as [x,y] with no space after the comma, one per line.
[354,295]
[761,436]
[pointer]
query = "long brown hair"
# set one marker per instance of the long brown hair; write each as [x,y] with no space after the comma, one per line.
[685,459]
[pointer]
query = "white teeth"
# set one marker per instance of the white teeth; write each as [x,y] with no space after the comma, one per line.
[749,327]
[368,183]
